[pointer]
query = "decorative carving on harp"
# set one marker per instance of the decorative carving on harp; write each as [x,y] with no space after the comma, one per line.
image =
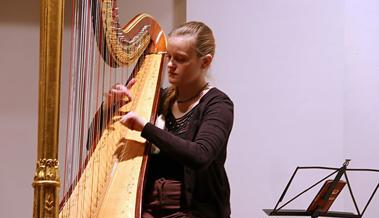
[104,167]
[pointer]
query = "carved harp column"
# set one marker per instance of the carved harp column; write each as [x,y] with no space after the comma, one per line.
[46,180]
[111,174]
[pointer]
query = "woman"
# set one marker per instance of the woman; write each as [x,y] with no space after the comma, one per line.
[186,175]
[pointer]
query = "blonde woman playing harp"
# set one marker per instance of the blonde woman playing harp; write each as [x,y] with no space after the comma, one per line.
[186,177]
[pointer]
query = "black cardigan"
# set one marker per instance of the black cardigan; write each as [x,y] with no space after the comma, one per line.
[203,154]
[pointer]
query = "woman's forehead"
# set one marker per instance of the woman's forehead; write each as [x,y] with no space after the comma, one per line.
[181,44]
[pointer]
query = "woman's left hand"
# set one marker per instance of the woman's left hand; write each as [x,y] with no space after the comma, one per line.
[133,121]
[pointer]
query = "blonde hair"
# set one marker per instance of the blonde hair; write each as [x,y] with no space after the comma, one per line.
[204,44]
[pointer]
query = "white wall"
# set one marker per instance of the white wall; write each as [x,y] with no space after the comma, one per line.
[19,59]
[304,79]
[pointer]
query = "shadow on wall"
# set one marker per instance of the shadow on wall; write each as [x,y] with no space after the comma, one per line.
[26,12]
[16,12]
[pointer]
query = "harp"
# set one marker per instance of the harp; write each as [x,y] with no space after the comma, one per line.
[110,167]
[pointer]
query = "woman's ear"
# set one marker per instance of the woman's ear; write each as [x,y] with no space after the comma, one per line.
[206,61]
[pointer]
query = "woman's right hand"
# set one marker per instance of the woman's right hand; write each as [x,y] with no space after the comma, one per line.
[119,92]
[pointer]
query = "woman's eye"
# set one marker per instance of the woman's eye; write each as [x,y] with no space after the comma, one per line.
[175,59]
[179,59]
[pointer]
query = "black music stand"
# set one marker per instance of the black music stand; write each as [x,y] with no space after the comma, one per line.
[317,212]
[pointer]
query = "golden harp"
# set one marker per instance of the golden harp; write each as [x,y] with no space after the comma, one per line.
[112,159]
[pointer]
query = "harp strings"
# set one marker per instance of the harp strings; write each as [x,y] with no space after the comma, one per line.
[89,83]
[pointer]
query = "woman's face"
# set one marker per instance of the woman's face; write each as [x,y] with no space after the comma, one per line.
[183,64]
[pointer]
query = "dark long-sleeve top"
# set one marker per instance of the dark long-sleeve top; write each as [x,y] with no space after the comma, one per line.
[203,153]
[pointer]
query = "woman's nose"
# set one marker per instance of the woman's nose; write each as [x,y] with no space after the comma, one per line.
[170,63]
